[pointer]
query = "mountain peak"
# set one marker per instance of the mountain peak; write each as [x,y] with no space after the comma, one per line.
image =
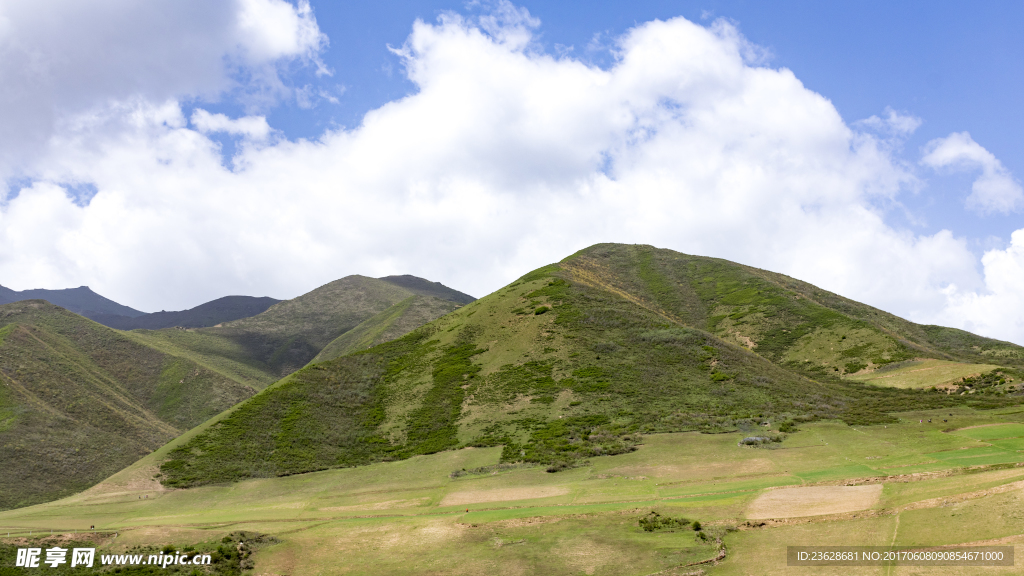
[425,287]
[82,300]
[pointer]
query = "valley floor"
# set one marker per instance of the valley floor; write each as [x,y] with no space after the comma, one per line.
[958,479]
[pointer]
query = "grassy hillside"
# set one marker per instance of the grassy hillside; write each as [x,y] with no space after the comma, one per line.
[289,334]
[80,401]
[576,359]
[788,321]
[211,313]
[211,351]
[398,320]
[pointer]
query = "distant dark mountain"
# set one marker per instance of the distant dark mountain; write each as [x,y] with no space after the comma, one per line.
[212,313]
[79,300]
[423,287]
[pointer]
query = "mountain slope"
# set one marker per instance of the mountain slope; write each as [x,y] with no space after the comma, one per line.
[80,401]
[427,288]
[573,360]
[289,334]
[211,313]
[788,321]
[393,322]
[79,300]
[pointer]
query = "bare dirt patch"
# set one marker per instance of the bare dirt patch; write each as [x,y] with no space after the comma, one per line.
[813,501]
[532,521]
[746,341]
[502,495]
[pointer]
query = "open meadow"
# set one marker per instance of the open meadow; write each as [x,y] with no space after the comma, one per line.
[921,373]
[956,479]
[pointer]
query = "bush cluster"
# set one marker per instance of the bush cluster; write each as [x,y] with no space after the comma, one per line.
[654,522]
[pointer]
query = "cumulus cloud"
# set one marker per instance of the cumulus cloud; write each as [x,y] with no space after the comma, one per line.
[65,58]
[998,310]
[995,190]
[254,127]
[504,159]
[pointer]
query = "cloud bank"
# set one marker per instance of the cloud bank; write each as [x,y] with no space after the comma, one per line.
[64,59]
[504,159]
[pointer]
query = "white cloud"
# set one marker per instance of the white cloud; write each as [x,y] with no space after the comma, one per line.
[504,159]
[64,58]
[268,30]
[893,124]
[997,311]
[254,127]
[995,190]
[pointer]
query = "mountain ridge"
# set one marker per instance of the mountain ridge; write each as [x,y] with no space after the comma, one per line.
[220,310]
[81,300]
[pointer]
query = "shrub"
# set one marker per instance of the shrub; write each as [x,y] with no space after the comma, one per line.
[656,522]
[760,440]
[852,367]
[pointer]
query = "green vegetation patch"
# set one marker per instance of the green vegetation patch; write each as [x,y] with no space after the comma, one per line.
[320,417]
[563,443]
[434,425]
[655,522]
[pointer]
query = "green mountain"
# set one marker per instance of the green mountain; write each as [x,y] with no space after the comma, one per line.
[80,401]
[80,300]
[578,358]
[211,313]
[289,334]
[394,321]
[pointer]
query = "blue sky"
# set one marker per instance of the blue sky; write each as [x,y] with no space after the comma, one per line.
[950,66]
[168,153]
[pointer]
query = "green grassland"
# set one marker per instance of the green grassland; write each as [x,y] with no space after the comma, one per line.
[80,401]
[575,359]
[922,373]
[461,512]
